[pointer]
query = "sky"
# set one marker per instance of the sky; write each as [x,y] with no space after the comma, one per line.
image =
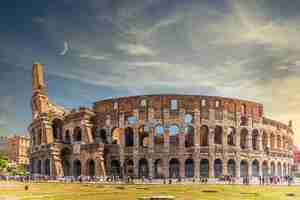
[96,49]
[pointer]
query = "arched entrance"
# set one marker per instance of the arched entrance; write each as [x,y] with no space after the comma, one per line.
[39,167]
[218,168]
[243,139]
[76,168]
[279,169]
[189,136]
[143,168]
[273,169]
[204,168]
[47,167]
[91,168]
[255,168]
[129,168]
[204,133]
[189,168]
[174,168]
[65,155]
[265,169]
[244,168]
[231,168]
[158,169]
[115,168]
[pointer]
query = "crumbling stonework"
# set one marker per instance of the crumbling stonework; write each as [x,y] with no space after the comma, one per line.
[157,136]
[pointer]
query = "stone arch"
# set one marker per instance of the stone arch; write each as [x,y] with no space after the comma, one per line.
[159,135]
[129,135]
[279,169]
[231,167]
[143,168]
[272,141]
[116,135]
[57,125]
[77,135]
[244,168]
[218,135]
[265,169]
[158,168]
[91,167]
[39,167]
[129,167]
[255,135]
[243,139]
[255,168]
[47,167]
[174,168]
[265,141]
[65,155]
[174,134]
[273,169]
[231,137]
[115,168]
[143,136]
[204,168]
[189,168]
[279,142]
[218,168]
[76,168]
[204,135]
[189,136]
[67,137]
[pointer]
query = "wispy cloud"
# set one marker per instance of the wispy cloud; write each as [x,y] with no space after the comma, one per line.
[136,50]
[94,57]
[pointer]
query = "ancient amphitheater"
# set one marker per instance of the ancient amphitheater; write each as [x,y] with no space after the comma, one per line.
[157,136]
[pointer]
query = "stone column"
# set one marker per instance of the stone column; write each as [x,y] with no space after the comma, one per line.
[238,168]
[166,139]
[196,167]
[211,166]
[166,167]
[151,168]
[249,140]
[136,166]
[182,167]
[224,137]
[136,142]
[224,167]
[249,168]
[238,138]
[151,139]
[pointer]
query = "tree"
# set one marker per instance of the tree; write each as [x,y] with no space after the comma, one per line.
[3,163]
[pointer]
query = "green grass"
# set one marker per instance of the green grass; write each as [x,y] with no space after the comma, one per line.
[59,191]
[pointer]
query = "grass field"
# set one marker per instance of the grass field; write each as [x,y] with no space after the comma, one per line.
[59,191]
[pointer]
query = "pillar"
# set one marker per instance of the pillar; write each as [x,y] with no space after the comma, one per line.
[238,168]
[196,167]
[151,167]
[182,167]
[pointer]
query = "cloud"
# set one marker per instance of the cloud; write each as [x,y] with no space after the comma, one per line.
[94,57]
[136,50]
[65,50]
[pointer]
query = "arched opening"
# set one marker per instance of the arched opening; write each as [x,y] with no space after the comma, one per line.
[129,168]
[189,136]
[255,168]
[103,136]
[143,168]
[272,141]
[77,134]
[174,168]
[76,168]
[144,136]
[158,169]
[39,167]
[231,136]
[284,170]
[265,169]
[255,139]
[115,135]
[244,168]
[65,155]
[174,135]
[57,125]
[265,141]
[231,168]
[67,137]
[47,167]
[273,169]
[115,168]
[129,135]
[278,142]
[279,169]
[218,168]
[189,168]
[218,135]
[204,168]
[91,168]
[204,135]
[159,135]
[244,136]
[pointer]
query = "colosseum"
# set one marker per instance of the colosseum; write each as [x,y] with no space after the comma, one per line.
[157,136]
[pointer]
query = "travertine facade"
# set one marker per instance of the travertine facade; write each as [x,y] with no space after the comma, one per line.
[17,148]
[157,136]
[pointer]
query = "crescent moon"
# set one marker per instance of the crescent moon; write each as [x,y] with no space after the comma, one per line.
[66,49]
